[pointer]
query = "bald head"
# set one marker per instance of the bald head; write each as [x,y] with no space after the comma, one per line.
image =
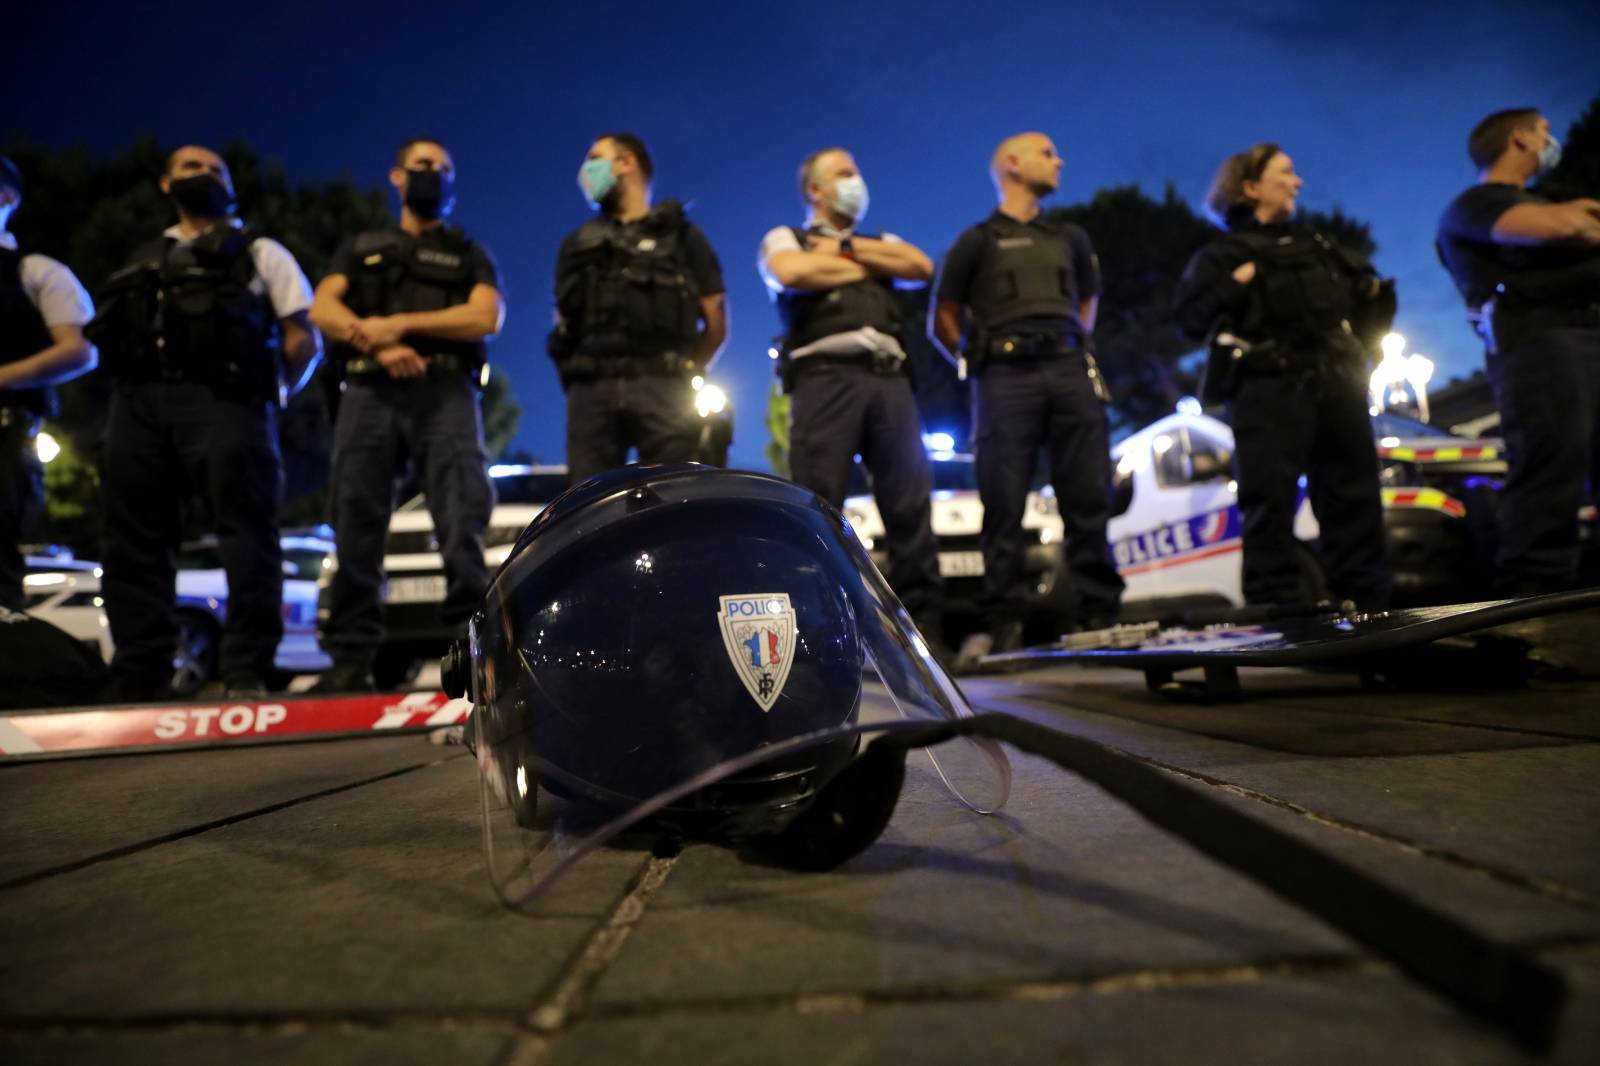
[1026,161]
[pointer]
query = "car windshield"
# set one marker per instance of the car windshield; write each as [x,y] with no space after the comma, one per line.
[1393,425]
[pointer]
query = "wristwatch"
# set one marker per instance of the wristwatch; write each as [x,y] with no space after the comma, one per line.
[847,246]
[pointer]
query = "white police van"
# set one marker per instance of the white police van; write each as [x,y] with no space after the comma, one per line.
[1176,534]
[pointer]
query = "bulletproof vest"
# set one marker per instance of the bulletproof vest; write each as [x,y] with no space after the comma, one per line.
[395,272]
[628,289]
[187,312]
[1304,287]
[1023,273]
[22,334]
[810,316]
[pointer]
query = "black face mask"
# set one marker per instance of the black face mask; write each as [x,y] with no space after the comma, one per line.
[430,193]
[203,195]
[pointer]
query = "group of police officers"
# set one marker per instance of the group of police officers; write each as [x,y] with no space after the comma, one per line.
[210,325]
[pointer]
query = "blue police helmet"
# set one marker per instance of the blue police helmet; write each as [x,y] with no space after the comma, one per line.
[655,622]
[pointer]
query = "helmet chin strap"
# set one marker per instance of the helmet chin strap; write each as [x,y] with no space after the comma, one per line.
[1495,981]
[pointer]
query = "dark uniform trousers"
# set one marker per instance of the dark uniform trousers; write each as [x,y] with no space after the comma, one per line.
[608,415]
[1019,408]
[21,498]
[435,423]
[840,410]
[1545,374]
[1286,424]
[165,442]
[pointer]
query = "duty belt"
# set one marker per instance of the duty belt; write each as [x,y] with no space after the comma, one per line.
[1034,346]
[581,366]
[362,367]
[877,362]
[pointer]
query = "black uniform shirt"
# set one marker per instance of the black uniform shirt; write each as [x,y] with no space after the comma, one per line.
[961,264]
[1479,264]
[701,259]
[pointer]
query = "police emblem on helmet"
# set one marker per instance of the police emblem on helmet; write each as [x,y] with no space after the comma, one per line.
[758,631]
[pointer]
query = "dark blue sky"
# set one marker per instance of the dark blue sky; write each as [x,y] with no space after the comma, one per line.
[1373,101]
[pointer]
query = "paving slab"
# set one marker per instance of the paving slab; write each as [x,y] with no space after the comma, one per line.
[367,901]
[248,1048]
[1310,717]
[1533,809]
[56,812]
[1235,1017]
[1066,882]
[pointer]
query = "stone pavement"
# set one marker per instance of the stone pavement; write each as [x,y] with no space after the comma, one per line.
[326,902]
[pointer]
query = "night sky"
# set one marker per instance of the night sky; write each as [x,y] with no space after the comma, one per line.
[1373,101]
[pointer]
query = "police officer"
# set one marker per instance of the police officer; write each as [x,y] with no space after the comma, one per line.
[845,369]
[413,307]
[203,330]
[640,312]
[1529,270]
[1293,371]
[1031,289]
[43,310]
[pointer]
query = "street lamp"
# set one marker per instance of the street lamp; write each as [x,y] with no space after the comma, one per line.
[46,447]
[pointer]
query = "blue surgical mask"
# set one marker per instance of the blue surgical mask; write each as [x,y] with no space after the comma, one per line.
[1549,155]
[850,197]
[596,179]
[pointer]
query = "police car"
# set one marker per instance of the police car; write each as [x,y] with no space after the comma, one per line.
[414,591]
[957,520]
[66,593]
[1176,534]
[203,606]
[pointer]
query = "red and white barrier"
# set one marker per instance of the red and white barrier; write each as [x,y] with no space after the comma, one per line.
[98,729]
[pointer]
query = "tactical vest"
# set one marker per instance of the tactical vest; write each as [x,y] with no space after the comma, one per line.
[1304,289]
[809,316]
[187,312]
[22,334]
[1022,275]
[628,288]
[394,272]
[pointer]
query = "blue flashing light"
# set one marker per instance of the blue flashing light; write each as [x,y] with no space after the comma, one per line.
[504,469]
[939,442]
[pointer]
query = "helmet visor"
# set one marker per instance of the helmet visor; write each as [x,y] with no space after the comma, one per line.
[709,674]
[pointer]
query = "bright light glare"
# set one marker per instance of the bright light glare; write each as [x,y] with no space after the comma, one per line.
[1188,405]
[46,446]
[939,442]
[710,400]
[1161,444]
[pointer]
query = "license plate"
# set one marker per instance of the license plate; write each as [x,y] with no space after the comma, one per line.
[428,589]
[960,564]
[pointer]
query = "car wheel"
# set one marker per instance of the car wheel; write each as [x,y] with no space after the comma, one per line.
[194,661]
